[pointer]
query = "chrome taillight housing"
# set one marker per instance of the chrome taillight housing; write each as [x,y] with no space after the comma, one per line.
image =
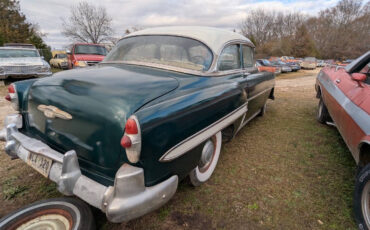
[13,96]
[131,139]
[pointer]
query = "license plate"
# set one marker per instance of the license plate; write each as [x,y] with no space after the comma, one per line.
[40,163]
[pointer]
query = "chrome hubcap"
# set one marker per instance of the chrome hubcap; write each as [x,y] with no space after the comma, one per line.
[207,153]
[49,222]
[365,204]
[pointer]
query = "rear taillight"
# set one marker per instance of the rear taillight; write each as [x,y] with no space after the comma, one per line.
[131,126]
[131,139]
[12,96]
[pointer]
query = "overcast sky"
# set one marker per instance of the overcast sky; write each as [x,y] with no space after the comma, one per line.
[148,13]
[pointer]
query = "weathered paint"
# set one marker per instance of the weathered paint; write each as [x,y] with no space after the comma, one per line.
[339,93]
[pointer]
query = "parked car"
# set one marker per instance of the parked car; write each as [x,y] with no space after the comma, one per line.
[285,68]
[265,65]
[347,61]
[344,94]
[120,135]
[320,63]
[308,63]
[293,65]
[288,59]
[85,54]
[59,60]
[22,62]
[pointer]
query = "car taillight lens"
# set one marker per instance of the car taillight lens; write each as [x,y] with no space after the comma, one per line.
[131,139]
[12,96]
[131,126]
[126,142]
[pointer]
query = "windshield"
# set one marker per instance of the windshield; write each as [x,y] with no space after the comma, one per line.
[266,62]
[165,50]
[62,55]
[90,49]
[18,53]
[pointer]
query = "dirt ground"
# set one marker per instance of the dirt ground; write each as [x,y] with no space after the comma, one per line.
[282,171]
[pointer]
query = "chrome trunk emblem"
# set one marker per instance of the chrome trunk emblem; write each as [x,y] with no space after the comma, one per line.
[51,111]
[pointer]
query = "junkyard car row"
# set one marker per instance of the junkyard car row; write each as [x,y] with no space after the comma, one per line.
[122,133]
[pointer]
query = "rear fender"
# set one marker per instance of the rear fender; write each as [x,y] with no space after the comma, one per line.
[170,122]
[23,88]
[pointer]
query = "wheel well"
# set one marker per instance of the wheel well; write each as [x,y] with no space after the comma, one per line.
[228,133]
[272,96]
[364,156]
[318,91]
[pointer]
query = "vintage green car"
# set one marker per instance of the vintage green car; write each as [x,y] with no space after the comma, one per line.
[122,134]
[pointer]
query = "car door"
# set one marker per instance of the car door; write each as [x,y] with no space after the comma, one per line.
[256,88]
[348,119]
[230,65]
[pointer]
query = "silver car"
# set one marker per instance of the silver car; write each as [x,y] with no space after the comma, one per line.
[22,62]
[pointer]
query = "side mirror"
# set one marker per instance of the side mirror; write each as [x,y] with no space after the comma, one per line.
[43,58]
[359,78]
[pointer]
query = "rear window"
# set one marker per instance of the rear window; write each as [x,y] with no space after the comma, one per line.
[18,53]
[165,50]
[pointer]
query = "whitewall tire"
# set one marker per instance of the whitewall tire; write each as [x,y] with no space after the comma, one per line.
[207,163]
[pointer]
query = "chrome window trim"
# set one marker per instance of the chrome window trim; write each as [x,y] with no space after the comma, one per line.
[177,69]
[197,138]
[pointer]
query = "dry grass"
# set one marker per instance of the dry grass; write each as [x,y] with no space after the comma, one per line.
[282,171]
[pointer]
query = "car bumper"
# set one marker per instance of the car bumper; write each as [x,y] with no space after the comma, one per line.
[24,75]
[126,200]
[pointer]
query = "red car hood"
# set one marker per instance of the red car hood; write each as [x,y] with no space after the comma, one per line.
[89,57]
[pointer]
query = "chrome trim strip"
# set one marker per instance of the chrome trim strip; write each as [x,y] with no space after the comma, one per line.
[260,93]
[194,140]
[358,115]
[178,69]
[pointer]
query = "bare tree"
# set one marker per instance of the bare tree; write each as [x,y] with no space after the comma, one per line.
[88,23]
[337,32]
[341,31]
[271,31]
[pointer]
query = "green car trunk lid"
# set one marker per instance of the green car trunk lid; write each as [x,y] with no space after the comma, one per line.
[99,101]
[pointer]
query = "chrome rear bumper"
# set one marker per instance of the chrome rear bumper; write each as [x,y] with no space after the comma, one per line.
[126,200]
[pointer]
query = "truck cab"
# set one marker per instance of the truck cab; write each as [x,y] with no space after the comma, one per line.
[85,54]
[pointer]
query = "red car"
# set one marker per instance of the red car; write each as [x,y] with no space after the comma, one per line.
[344,94]
[85,54]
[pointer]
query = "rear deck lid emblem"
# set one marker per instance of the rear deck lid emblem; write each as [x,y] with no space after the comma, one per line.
[51,111]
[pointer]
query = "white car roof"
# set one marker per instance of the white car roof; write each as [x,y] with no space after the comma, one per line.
[214,38]
[16,48]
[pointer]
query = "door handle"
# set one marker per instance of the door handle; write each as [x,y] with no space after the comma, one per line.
[337,81]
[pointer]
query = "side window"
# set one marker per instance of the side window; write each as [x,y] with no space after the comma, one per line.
[247,56]
[366,70]
[229,58]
